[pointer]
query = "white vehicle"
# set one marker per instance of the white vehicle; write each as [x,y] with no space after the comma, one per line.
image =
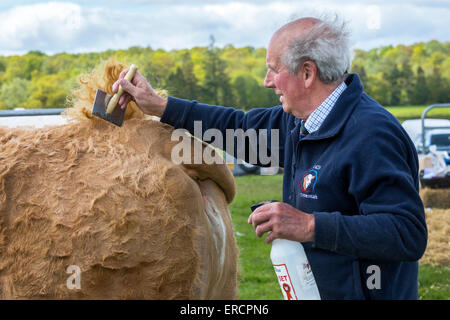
[439,137]
[431,138]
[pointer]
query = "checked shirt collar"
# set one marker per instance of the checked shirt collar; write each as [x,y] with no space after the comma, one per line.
[317,117]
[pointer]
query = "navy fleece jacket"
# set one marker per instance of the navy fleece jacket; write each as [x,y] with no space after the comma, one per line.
[358,175]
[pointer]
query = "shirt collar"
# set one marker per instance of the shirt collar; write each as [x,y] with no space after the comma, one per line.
[317,117]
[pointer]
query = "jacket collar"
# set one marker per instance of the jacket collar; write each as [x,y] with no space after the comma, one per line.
[341,111]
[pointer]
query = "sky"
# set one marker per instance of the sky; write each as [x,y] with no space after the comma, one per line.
[97,25]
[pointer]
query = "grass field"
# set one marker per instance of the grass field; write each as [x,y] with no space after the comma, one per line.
[257,278]
[415,112]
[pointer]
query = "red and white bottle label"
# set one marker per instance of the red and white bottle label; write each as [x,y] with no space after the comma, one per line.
[307,277]
[285,282]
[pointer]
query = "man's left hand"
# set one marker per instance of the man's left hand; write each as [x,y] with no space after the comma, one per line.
[284,222]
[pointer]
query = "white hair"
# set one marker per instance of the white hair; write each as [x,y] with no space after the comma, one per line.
[327,44]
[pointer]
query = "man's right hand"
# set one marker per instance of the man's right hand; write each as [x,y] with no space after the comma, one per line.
[141,92]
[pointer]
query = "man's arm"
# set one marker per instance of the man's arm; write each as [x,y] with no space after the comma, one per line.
[184,113]
[247,136]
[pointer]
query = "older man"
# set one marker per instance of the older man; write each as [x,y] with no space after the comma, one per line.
[350,188]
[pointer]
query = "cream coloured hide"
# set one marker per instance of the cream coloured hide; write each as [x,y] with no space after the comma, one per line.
[89,210]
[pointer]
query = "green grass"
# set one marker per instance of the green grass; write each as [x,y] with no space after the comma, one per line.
[257,278]
[434,282]
[415,112]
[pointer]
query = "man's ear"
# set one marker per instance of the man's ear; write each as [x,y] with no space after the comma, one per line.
[309,73]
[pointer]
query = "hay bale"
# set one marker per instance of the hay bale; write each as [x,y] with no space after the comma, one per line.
[438,247]
[435,198]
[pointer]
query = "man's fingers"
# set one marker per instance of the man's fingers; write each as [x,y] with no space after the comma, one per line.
[264,219]
[259,215]
[128,87]
[125,101]
[115,86]
[138,78]
[122,100]
[259,218]
[263,228]
[123,73]
[270,237]
[250,218]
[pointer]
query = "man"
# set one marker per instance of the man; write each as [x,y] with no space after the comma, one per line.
[350,188]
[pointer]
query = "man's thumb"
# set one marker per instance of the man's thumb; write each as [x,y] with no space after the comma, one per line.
[128,86]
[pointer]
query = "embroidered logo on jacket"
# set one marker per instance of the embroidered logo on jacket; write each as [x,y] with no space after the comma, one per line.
[308,182]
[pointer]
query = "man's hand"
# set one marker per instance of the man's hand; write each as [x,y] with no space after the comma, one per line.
[284,222]
[141,92]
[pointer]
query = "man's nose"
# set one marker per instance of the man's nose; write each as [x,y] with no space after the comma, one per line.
[268,80]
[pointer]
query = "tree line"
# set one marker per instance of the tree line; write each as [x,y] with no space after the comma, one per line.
[402,75]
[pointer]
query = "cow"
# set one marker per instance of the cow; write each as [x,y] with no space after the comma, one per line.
[89,210]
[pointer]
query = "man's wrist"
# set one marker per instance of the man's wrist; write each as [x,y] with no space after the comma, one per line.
[311,227]
[161,107]
[173,111]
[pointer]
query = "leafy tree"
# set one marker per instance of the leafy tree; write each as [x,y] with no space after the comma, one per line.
[419,94]
[438,91]
[47,92]
[226,96]
[240,89]
[156,67]
[58,63]
[216,86]
[250,94]
[191,82]
[393,76]
[150,70]
[360,70]
[271,99]
[400,75]
[406,83]
[14,93]
[2,64]
[419,54]
[379,88]
[176,84]
[445,70]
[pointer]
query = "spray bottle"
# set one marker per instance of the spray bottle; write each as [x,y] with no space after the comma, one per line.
[292,268]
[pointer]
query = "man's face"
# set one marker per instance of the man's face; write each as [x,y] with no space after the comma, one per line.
[288,86]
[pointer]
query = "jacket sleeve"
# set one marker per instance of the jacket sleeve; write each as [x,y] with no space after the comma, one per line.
[381,172]
[267,124]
